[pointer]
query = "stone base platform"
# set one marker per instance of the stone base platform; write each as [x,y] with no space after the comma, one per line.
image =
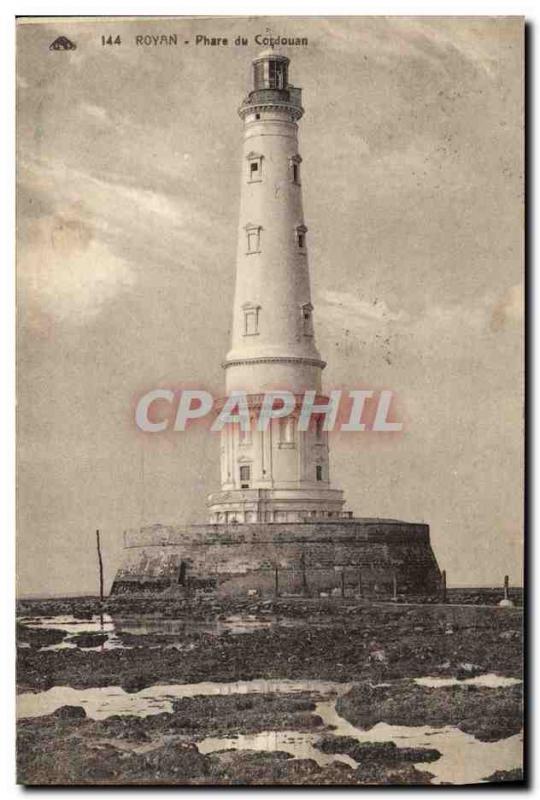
[349,557]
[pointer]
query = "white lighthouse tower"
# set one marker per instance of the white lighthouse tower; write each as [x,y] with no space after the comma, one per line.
[281,474]
[277,525]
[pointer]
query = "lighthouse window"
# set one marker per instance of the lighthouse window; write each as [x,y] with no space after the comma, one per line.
[276,76]
[250,323]
[245,477]
[254,167]
[286,432]
[318,472]
[251,320]
[301,231]
[253,241]
[295,162]
[307,319]
[253,233]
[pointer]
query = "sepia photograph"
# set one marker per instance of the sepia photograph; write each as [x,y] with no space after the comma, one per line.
[270,400]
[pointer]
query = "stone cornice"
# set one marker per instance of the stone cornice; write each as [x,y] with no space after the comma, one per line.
[256,401]
[237,362]
[295,111]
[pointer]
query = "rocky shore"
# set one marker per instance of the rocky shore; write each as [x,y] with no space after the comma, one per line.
[332,642]
[349,643]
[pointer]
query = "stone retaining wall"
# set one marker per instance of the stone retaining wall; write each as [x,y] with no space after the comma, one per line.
[352,557]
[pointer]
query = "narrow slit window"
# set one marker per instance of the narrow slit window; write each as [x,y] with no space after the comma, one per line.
[307,319]
[295,162]
[318,472]
[301,231]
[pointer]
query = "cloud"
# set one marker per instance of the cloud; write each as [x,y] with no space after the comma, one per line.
[141,224]
[67,273]
[352,312]
[488,312]
[475,41]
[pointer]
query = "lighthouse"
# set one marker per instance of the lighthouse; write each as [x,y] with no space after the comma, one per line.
[280,474]
[277,524]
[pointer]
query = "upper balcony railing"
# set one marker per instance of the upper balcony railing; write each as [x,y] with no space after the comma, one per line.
[291,96]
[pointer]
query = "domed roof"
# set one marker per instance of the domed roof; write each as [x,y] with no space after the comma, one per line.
[270,53]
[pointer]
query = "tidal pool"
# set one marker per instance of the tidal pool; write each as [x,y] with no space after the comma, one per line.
[464,759]
[491,681]
[116,626]
[102,702]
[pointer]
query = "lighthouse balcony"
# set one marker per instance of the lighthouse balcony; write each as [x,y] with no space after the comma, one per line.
[291,95]
[289,98]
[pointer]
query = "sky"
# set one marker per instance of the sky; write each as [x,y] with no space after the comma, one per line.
[128,164]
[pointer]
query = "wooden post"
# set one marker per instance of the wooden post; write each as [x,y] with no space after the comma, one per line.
[394,587]
[443,586]
[304,576]
[100,562]
[276,582]
[506,582]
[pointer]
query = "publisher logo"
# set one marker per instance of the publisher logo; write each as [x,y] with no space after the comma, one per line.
[62,43]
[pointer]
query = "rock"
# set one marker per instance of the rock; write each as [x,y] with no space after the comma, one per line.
[506,776]
[89,639]
[468,670]
[87,615]
[39,637]
[137,682]
[375,752]
[125,727]
[69,712]
[175,762]
[487,713]
[509,636]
